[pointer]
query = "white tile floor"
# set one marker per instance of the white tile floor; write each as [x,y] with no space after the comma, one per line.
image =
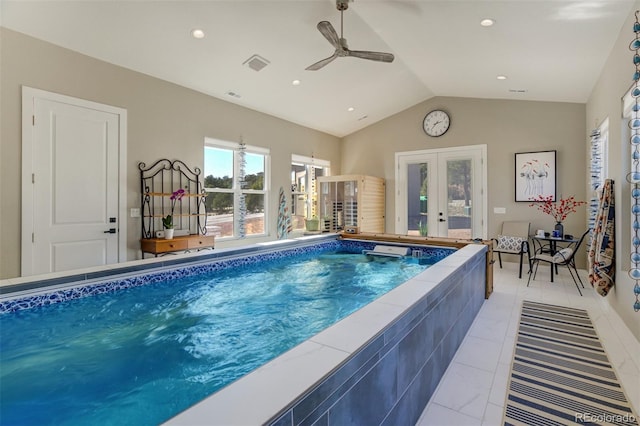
[473,389]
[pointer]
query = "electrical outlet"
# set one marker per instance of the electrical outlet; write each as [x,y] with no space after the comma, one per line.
[135,212]
[499,210]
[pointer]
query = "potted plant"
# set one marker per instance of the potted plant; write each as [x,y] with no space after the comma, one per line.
[312,224]
[167,222]
[558,210]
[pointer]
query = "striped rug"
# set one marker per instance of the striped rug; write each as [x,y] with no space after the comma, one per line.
[560,373]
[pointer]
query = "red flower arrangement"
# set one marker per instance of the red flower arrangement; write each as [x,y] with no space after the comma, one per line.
[560,209]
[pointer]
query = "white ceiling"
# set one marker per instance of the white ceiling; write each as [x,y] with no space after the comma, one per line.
[554,49]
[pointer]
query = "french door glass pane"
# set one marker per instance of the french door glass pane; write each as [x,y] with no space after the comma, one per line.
[298,195]
[459,187]
[303,193]
[418,184]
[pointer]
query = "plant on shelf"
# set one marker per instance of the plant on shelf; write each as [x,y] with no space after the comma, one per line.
[176,196]
[312,224]
[559,210]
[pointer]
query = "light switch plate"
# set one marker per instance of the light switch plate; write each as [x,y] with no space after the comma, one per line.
[499,210]
[135,212]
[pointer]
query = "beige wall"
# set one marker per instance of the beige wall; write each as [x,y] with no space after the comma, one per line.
[506,127]
[164,121]
[605,102]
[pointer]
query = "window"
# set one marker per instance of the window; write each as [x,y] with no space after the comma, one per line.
[236,183]
[599,168]
[304,171]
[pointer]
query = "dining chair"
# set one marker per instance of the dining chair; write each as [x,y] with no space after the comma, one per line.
[513,239]
[563,257]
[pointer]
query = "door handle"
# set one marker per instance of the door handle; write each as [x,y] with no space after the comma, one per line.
[110,231]
[442,220]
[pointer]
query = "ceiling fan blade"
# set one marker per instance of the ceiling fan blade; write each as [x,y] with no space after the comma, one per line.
[322,63]
[374,56]
[329,33]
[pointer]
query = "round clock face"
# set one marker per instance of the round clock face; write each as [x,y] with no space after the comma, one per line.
[436,123]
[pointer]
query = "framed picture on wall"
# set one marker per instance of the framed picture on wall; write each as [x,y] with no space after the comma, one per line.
[535,175]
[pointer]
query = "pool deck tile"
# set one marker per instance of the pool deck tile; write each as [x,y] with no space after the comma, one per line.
[354,331]
[266,390]
[407,294]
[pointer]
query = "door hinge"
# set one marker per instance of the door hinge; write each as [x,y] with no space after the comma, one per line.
[33,237]
[33,120]
[33,178]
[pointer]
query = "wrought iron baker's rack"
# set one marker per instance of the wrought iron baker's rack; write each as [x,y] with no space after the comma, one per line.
[157,184]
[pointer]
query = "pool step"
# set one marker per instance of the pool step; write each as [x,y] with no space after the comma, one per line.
[390,251]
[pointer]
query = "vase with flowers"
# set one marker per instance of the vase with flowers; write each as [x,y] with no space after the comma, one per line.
[559,210]
[167,222]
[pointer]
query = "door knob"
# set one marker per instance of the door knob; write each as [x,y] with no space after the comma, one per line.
[110,231]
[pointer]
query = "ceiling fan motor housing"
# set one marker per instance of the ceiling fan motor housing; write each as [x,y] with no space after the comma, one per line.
[340,43]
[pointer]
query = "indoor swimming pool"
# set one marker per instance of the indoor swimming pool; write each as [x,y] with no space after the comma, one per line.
[140,350]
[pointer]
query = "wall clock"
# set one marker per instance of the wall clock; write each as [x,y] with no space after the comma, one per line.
[436,123]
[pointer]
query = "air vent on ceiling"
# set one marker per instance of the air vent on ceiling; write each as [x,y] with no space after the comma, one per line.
[518,90]
[256,62]
[233,94]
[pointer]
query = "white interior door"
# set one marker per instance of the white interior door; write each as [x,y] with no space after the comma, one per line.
[440,193]
[71,211]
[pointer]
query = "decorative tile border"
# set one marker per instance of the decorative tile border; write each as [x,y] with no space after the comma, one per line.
[237,261]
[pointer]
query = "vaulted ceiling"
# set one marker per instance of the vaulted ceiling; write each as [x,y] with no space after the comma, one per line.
[549,50]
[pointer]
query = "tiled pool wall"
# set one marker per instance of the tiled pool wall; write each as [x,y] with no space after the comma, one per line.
[390,380]
[232,259]
[378,366]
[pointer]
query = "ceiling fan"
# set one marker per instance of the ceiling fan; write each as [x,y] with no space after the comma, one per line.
[340,43]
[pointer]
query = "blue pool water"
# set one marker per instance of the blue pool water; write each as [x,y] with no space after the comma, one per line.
[141,355]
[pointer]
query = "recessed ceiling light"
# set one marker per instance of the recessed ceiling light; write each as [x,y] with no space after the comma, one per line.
[296,82]
[350,109]
[487,22]
[501,77]
[197,33]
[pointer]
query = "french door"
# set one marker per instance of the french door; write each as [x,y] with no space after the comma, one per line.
[440,192]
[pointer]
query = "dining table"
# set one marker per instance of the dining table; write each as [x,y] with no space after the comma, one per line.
[549,244]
